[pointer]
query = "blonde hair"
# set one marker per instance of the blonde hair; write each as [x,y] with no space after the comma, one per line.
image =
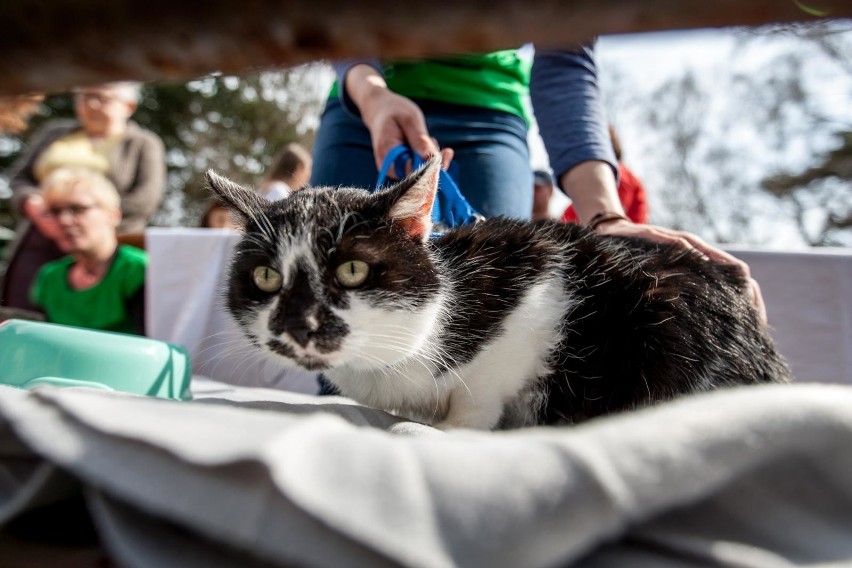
[128,91]
[61,181]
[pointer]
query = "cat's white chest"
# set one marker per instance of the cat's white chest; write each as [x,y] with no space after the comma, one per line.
[473,394]
[508,363]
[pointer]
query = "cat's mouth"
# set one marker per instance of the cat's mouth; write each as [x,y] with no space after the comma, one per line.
[306,360]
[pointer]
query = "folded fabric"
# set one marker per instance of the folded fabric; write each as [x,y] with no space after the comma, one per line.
[758,476]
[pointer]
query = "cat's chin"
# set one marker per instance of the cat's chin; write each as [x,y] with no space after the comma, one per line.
[305,361]
[313,365]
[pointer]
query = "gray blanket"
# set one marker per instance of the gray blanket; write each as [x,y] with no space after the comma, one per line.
[758,476]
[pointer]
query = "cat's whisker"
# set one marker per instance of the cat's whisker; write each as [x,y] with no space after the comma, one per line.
[221,349]
[433,353]
[233,333]
[661,322]
[341,228]
[685,358]
[222,359]
[647,386]
[225,350]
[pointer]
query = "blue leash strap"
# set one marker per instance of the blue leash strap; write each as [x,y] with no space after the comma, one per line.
[450,209]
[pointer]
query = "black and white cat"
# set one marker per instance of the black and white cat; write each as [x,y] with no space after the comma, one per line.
[497,325]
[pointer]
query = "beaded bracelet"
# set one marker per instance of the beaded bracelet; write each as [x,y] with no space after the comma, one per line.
[603,217]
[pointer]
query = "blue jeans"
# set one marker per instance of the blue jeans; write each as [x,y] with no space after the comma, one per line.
[492,160]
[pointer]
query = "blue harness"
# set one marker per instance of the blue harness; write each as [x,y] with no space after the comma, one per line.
[450,208]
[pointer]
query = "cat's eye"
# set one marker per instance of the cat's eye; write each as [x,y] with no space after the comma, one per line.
[352,273]
[267,279]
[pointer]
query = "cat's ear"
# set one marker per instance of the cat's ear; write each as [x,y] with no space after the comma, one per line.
[242,201]
[412,199]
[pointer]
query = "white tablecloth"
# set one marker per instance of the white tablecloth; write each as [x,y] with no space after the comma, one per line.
[185,305]
[808,296]
[253,477]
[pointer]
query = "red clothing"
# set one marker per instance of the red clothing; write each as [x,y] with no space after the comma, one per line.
[630,192]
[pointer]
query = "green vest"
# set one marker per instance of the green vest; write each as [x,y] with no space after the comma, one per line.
[104,305]
[497,81]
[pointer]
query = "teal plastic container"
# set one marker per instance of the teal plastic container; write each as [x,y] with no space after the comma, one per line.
[34,354]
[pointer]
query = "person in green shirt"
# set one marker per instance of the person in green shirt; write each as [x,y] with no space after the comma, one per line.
[100,284]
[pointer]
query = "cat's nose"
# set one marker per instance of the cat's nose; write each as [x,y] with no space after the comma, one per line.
[301,334]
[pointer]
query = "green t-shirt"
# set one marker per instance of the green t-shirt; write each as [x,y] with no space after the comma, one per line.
[104,306]
[498,80]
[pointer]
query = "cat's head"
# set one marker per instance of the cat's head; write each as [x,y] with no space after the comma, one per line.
[330,278]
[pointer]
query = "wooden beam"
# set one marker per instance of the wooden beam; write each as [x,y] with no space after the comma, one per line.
[50,45]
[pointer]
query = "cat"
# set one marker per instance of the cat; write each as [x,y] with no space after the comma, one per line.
[501,324]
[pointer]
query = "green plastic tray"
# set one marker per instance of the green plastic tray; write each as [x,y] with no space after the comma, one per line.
[35,354]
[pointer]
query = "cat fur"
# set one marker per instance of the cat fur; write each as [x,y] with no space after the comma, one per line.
[501,324]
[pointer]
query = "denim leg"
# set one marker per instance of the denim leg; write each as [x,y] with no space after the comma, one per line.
[343,153]
[492,163]
[326,387]
[492,160]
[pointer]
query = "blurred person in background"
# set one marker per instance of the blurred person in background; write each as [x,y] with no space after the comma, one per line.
[217,215]
[631,192]
[542,192]
[102,139]
[290,171]
[100,284]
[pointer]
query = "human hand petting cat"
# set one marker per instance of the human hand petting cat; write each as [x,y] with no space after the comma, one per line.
[687,240]
[591,186]
[391,118]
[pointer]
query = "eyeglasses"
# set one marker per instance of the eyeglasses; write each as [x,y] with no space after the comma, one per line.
[74,210]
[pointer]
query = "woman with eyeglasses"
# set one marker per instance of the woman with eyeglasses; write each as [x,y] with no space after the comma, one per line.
[100,283]
[102,139]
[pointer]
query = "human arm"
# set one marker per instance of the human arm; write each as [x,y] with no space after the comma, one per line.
[566,101]
[590,182]
[22,179]
[142,197]
[26,195]
[390,118]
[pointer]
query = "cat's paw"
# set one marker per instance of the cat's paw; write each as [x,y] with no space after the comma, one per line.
[449,425]
[464,412]
[468,422]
